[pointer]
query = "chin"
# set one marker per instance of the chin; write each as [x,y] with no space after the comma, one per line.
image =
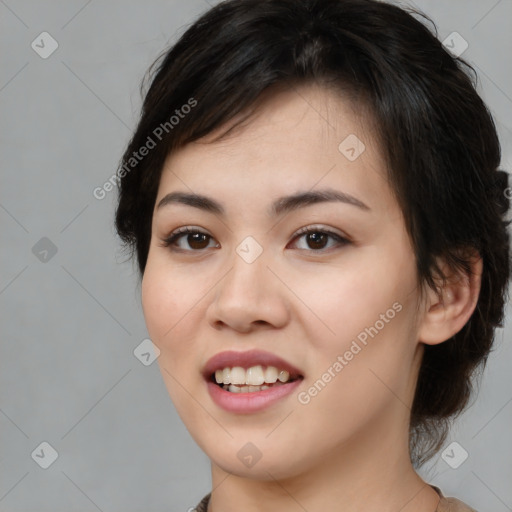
[263,470]
[256,460]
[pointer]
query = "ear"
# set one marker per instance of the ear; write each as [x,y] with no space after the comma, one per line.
[447,311]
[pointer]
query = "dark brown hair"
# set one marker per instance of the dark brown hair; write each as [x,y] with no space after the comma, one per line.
[437,135]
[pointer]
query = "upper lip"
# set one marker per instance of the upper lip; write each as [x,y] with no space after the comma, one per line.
[247,359]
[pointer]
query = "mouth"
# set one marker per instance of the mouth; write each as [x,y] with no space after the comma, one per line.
[247,382]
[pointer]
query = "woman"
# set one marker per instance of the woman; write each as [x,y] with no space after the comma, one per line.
[314,200]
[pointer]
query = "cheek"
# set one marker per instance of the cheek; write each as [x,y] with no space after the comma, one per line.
[367,342]
[168,312]
[167,303]
[157,304]
[361,295]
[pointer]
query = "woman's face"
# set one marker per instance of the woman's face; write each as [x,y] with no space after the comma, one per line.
[336,307]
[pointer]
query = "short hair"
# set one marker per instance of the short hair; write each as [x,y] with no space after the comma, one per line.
[438,138]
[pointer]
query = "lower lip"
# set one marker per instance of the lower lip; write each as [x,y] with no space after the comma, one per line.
[250,402]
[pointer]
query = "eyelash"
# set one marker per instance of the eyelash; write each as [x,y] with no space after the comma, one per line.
[178,233]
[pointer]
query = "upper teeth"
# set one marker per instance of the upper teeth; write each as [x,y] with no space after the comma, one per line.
[253,376]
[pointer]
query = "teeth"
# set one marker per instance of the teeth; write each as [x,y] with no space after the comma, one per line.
[255,376]
[271,374]
[283,376]
[237,375]
[246,389]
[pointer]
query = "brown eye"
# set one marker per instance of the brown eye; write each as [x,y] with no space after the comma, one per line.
[317,239]
[196,240]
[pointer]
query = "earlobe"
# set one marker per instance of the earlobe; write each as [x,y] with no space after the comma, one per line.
[448,310]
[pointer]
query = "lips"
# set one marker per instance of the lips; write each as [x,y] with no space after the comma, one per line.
[250,399]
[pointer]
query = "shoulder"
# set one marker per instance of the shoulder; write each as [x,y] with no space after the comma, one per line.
[449,504]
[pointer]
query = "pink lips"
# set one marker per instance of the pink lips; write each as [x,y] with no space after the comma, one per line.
[245,403]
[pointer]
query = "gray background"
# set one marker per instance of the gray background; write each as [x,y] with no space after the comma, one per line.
[71,322]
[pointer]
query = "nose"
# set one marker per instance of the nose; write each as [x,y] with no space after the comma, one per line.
[249,297]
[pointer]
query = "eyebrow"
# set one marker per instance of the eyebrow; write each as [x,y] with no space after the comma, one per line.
[281,205]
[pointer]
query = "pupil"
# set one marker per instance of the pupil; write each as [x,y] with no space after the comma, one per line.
[317,239]
[196,239]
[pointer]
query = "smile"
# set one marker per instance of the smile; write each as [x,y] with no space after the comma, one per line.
[247,382]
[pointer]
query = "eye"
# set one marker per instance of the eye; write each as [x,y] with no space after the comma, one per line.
[197,240]
[317,238]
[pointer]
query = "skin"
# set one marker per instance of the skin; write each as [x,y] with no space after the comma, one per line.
[347,447]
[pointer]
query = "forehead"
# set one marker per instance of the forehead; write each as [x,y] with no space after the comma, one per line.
[291,139]
[284,117]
